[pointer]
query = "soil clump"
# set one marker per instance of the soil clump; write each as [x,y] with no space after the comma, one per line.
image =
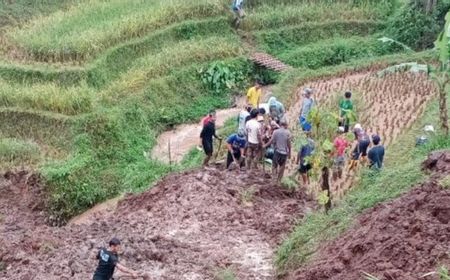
[402,239]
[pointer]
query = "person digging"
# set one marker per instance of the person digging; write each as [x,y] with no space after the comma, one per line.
[281,140]
[108,261]
[236,144]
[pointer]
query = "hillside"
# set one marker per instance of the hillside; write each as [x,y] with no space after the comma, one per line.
[91,89]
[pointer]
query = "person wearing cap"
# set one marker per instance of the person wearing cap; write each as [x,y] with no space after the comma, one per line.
[340,145]
[307,105]
[276,109]
[376,153]
[207,134]
[304,164]
[281,140]
[254,95]
[345,108]
[236,144]
[254,139]
[242,118]
[108,260]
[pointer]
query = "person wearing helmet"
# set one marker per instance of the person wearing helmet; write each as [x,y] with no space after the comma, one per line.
[108,260]
[307,105]
[236,144]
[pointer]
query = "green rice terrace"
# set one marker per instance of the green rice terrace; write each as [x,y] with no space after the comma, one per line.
[93,91]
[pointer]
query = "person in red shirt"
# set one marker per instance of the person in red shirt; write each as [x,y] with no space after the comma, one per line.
[340,145]
[205,120]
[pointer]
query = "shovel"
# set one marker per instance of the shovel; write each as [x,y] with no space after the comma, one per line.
[144,276]
[218,150]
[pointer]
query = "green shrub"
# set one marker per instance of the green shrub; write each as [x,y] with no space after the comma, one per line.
[47,97]
[17,151]
[333,52]
[221,78]
[88,28]
[415,27]
[286,38]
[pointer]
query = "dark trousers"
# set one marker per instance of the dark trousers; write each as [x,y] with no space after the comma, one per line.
[237,155]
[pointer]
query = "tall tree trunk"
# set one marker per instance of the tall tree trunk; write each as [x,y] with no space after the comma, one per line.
[443,111]
[326,186]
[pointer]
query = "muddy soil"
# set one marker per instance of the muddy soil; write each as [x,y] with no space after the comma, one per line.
[185,137]
[402,239]
[189,226]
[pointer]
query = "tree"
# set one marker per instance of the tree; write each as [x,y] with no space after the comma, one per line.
[441,74]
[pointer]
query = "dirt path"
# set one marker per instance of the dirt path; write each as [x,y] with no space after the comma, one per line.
[185,137]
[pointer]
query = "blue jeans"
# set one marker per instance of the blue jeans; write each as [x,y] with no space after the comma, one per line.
[306,126]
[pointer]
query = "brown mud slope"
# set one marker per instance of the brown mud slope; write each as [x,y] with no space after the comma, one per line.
[402,239]
[189,226]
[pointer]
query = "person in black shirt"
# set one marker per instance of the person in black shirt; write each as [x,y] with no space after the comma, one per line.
[108,260]
[208,131]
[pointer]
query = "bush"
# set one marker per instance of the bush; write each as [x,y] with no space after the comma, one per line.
[283,39]
[413,26]
[17,151]
[333,52]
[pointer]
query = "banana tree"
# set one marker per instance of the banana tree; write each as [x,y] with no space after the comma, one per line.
[441,74]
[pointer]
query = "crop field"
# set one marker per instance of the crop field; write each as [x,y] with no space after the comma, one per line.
[88,86]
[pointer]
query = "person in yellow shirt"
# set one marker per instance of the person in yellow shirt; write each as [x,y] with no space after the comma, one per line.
[254,95]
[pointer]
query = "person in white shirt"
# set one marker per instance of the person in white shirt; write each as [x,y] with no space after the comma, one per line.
[254,139]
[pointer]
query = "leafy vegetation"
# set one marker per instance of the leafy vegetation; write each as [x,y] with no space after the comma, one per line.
[417,24]
[374,188]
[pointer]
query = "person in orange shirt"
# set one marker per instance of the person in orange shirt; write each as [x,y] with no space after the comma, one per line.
[254,95]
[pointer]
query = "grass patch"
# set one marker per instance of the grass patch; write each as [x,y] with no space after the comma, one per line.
[47,97]
[16,151]
[283,39]
[266,17]
[88,28]
[402,163]
[337,51]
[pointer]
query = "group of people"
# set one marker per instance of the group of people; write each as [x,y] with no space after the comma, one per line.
[359,148]
[263,133]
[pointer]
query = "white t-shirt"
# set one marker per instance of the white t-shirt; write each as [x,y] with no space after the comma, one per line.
[253,129]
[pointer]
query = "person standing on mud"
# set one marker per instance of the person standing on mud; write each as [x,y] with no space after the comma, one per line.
[276,109]
[307,105]
[281,140]
[304,165]
[362,143]
[340,145]
[108,260]
[254,95]
[207,134]
[345,109]
[236,144]
[242,118]
[237,8]
[376,153]
[254,139]
[204,122]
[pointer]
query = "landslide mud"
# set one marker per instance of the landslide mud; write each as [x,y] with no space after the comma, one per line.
[189,226]
[403,239]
